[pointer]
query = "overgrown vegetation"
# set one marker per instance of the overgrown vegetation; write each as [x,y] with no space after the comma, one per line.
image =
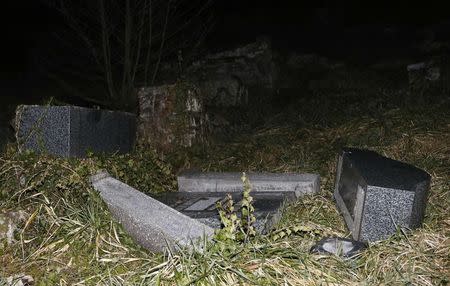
[68,236]
[235,228]
[68,226]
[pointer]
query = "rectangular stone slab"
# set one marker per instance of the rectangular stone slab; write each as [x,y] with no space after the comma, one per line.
[73,131]
[230,182]
[376,195]
[151,223]
[202,206]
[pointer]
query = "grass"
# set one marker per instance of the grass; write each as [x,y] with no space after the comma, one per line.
[69,238]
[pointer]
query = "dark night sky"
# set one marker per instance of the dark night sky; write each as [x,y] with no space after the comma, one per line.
[287,22]
[310,26]
[314,24]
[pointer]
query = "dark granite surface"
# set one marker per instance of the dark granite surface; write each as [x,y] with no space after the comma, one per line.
[385,172]
[202,206]
[45,129]
[101,131]
[378,195]
[73,131]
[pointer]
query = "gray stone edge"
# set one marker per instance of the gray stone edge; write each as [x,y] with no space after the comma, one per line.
[192,243]
[310,183]
[76,107]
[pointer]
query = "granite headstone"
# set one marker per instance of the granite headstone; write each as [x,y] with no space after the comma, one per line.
[378,195]
[73,131]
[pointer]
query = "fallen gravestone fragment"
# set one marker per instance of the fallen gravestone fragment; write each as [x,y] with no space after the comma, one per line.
[151,223]
[73,131]
[202,206]
[338,246]
[298,184]
[186,216]
[199,193]
[378,195]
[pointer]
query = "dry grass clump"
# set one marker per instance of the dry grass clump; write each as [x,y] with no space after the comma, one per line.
[69,236]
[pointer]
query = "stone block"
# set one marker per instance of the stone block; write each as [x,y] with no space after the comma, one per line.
[151,223]
[199,192]
[377,195]
[73,131]
[230,182]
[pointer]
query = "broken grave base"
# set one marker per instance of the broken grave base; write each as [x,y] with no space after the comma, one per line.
[200,191]
[181,218]
[202,206]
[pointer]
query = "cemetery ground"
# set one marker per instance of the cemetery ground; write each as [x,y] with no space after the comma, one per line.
[65,235]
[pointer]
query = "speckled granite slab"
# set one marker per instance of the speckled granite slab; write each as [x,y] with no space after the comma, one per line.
[378,195]
[151,223]
[73,131]
[229,182]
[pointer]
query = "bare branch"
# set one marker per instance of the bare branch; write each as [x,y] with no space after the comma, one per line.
[127,40]
[155,71]
[149,48]
[106,50]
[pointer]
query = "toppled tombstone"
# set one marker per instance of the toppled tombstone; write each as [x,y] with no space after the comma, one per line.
[151,223]
[378,195]
[171,116]
[338,246]
[187,216]
[68,131]
[229,182]
[199,192]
